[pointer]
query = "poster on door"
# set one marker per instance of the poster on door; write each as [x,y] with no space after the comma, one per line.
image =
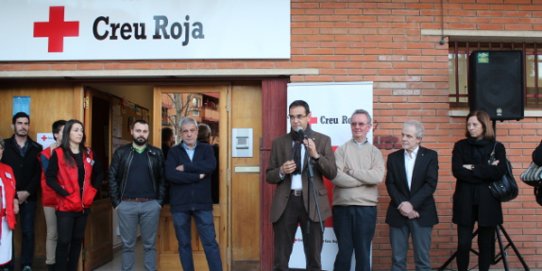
[331,105]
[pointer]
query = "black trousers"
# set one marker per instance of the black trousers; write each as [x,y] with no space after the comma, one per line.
[284,230]
[71,230]
[486,245]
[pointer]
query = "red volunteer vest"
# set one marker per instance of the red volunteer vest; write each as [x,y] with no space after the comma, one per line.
[67,178]
[48,195]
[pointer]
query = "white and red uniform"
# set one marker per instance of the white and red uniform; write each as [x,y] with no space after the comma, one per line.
[7,215]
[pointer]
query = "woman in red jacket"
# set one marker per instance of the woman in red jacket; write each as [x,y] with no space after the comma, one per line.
[74,176]
[9,207]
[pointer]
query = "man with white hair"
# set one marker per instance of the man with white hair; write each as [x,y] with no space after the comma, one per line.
[411,181]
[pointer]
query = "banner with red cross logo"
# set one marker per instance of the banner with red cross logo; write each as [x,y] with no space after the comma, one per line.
[37,30]
[331,105]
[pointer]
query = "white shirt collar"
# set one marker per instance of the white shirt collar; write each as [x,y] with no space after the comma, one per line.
[413,154]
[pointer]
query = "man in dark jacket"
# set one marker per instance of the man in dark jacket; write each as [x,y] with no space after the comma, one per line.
[293,202]
[189,166]
[137,185]
[411,182]
[22,155]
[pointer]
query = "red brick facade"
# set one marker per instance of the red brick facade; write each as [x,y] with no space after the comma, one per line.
[381,41]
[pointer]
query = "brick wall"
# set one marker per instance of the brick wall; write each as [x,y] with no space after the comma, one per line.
[381,41]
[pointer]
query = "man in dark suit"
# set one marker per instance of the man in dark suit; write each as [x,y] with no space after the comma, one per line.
[22,155]
[411,181]
[293,202]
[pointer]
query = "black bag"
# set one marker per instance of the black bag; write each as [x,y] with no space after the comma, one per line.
[505,189]
[538,194]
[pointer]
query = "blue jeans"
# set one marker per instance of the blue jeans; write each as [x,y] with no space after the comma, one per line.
[206,230]
[27,216]
[146,215]
[354,227]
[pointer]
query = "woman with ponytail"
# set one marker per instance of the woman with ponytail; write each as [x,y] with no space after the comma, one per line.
[75,176]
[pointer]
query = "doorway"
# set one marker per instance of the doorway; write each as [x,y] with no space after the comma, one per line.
[206,104]
[98,243]
[236,208]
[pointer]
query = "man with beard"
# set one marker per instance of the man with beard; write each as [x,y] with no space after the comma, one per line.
[21,154]
[137,185]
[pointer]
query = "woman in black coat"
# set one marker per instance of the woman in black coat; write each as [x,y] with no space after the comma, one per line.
[537,155]
[472,200]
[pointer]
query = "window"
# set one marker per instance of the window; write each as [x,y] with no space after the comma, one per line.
[458,59]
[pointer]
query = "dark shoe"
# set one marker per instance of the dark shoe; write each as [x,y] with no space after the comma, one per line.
[27,268]
[50,267]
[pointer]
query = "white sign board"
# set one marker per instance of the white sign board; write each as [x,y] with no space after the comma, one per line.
[242,142]
[45,139]
[331,105]
[37,30]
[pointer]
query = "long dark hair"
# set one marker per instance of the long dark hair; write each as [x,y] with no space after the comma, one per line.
[65,143]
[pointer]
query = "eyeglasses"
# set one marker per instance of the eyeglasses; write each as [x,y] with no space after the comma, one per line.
[299,117]
[360,124]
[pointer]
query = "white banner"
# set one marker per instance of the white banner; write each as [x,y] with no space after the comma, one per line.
[34,30]
[332,105]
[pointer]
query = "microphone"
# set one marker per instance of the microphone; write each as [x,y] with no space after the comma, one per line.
[300,132]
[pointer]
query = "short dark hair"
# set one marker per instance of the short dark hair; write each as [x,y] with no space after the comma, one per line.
[142,121]
[19,115]
[204,133]
[297,103]
[167,133]
[55,128]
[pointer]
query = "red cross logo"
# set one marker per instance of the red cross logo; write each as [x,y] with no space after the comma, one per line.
[313,120]
[56,29]
[43,138]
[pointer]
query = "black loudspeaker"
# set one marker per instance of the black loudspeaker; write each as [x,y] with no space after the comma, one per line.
[496,84]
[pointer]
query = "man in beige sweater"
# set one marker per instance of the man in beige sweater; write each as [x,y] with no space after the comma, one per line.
[360,168]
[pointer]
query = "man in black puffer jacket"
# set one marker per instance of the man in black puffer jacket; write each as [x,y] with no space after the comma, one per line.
[137,186]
